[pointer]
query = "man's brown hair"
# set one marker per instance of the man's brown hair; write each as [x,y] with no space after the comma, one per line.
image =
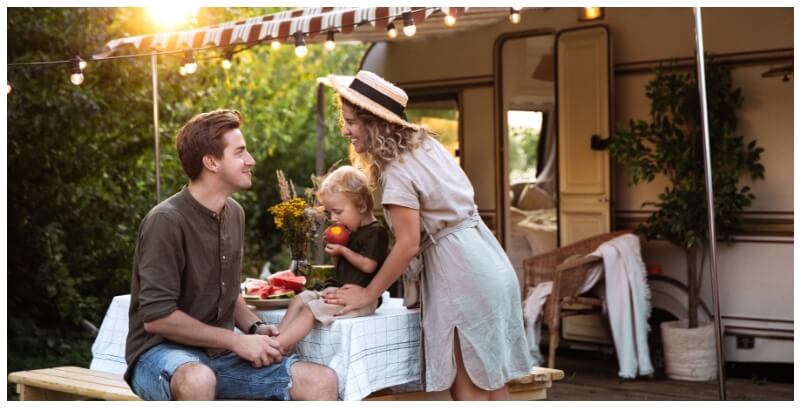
[202,135]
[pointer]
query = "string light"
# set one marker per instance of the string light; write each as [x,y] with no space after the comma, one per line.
[77,75]
[226,62]
[514,14]
[392,32]
[450,20]
[329,41]
[300,45]
[408,24]
[190,65]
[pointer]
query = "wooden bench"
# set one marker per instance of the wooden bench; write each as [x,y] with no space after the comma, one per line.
[77,383]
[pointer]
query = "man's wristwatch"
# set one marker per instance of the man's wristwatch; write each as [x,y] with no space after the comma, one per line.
[255,326]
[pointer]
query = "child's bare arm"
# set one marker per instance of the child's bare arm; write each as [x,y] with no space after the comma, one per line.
[360,261]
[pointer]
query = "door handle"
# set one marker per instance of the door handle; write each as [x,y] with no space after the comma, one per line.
[596,143]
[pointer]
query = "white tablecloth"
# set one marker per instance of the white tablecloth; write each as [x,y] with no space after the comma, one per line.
[368,353]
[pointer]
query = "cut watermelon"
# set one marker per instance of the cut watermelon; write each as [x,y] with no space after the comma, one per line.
[281,293]
[288,280]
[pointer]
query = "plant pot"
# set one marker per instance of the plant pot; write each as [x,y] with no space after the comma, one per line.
[690,354]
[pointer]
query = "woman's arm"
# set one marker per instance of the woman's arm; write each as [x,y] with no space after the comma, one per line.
[406,227]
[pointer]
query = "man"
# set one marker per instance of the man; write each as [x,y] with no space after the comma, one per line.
[185,296]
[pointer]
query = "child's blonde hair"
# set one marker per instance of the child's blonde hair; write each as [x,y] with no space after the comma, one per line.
[351,182]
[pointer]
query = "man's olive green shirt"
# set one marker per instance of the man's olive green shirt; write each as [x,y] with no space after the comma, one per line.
[187,258]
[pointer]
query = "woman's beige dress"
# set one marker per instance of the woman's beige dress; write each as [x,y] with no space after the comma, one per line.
[468,286]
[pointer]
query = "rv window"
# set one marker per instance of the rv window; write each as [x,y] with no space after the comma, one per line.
[441,116]
[525,127]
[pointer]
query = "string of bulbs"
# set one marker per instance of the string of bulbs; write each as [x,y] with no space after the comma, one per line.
[189,64]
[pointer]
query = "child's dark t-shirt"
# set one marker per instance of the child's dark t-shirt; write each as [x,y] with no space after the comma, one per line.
[372,241]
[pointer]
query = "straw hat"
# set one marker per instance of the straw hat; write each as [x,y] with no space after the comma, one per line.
[375,94]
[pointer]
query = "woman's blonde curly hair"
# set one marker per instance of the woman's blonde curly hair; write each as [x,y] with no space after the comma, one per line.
[385,141]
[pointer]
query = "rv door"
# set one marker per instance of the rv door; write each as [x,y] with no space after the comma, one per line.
[583,127]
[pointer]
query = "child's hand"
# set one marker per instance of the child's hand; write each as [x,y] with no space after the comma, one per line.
[333,249]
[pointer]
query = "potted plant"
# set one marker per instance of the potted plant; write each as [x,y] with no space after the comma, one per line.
[671,145]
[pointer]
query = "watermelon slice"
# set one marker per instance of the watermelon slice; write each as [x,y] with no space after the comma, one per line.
[281,293]
[287,280]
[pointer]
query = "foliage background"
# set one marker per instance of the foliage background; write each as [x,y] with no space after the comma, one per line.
[81,162]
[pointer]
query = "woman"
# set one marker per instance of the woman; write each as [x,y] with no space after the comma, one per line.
[472,321]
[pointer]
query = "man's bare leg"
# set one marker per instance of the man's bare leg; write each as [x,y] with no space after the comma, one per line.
[313,382]
[193,381]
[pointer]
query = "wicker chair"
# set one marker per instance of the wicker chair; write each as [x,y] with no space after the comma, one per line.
[568,268]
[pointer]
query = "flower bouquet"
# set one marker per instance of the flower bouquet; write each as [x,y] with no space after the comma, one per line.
[299,221]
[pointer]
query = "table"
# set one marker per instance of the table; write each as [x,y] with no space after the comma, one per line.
[368,353]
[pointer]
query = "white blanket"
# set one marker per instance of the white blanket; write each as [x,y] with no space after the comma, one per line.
[627,298]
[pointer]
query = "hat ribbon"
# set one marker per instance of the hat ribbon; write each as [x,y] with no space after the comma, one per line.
[378,97]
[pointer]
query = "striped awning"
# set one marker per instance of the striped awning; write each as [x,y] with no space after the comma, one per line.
[366,24]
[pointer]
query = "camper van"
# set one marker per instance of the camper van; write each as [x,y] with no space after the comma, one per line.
[563,82]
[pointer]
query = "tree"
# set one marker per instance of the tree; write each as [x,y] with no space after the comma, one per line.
[671,145]
[80,159]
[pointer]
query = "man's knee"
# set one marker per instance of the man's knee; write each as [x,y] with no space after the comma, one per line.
[193,381]
[313,382]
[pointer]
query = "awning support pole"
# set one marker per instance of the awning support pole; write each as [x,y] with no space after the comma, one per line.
[319,156]
[710,203]
[153,64]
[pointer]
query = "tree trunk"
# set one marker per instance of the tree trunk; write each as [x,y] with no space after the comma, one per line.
[692,286]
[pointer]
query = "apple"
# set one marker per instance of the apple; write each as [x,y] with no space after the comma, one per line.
[337,234]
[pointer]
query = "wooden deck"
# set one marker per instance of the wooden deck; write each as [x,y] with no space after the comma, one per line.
[594,377]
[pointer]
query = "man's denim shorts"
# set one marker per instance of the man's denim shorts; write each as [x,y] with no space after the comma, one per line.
[236,378]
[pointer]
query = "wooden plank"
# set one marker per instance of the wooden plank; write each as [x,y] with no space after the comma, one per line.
[65,382]
[31,393]
[530,395]
[95,373]
[85,375]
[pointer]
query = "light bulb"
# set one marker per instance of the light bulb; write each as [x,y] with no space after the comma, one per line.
[517,8]
[182,70]
[329,42]
[76,79]
[191,67]
[450,20]
[392,32]
[300,44]
[408,24]
[82,64]
[8,88]
[226,63]
[275,44]
[514,16]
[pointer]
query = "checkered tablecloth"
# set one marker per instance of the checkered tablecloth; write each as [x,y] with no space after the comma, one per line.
[368,353]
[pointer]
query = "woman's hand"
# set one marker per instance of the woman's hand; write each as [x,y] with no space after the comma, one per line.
[351,296]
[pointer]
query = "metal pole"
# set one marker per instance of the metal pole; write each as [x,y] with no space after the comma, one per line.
[319,157]
[710,202]
[153,64]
